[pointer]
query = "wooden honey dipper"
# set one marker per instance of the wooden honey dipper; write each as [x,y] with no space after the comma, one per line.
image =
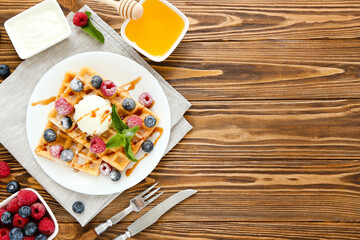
[129,9]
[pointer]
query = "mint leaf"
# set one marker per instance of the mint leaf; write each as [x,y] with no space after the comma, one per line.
[116,141]
[130,133]
[124,135]
[119,125]
[91,29]
[128,151]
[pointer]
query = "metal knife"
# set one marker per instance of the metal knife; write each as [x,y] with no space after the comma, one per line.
[155,213]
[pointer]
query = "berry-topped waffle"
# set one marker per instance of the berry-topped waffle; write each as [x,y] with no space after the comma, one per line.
[54,142]
[71,117]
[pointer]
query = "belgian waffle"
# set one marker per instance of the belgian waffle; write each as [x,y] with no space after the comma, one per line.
[84,160]
[114,156]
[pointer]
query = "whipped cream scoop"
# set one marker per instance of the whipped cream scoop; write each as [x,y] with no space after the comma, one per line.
[93,115]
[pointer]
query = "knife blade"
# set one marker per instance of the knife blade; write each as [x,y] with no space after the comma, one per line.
[155,213]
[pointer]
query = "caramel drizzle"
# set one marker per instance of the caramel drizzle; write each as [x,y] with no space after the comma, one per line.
[83,117]
[44,102]
[159,130]
[130,170]
[93,114]
[131,84]
[104,116]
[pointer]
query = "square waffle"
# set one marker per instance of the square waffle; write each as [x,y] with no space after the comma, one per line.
[84,160]
[114,156]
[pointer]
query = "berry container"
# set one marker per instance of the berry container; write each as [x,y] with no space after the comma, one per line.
[48,210]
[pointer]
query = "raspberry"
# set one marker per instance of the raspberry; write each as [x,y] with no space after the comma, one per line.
[63,107]
[145,99]
[29,237]
[46,226]
[108,88]
[26,198]
[4,234]
[80,19]
[37,211]
[4,169]
[97,145]
[19,221]
[13,205]
[134,121]
[105,168]
[55,150]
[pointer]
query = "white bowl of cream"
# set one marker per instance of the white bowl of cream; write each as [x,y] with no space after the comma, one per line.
[37,28]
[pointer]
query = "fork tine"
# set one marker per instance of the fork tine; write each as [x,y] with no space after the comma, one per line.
[152,193]
[152,199]
[147,190]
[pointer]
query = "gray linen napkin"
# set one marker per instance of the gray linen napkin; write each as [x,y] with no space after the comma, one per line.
[15,92]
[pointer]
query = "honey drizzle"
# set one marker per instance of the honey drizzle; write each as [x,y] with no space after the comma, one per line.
[44,102]
[132,84]
[130,170]
[159,130]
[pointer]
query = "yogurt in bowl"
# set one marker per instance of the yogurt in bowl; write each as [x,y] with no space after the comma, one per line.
[37,28]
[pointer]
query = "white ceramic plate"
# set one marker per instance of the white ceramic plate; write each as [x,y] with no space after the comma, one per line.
[120,70]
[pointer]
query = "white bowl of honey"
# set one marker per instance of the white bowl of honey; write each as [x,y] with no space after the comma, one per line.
[158,32]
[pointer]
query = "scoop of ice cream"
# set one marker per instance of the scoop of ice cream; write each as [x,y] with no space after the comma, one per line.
[93,115]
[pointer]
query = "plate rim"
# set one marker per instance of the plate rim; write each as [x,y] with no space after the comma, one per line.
[97,192]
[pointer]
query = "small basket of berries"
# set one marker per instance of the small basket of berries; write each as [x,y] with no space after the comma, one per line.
[26,216]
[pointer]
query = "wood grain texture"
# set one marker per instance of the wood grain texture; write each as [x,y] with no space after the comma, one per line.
[299,69]
[228,230]
[241,190]
[275,149]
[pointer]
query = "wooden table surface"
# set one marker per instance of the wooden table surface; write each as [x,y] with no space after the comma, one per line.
[275,148]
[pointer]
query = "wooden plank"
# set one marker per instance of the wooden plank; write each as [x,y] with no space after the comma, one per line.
[311,69]
[226,230]
[265,70]
[293,190]
[264,130]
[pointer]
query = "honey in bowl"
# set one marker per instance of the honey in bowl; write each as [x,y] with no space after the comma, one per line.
[158,31]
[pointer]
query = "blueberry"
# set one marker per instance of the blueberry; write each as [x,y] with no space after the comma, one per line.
[76,85]
[147,146]
[49,135]
[128,104]
[115,175]
[12,187]
[30,229]
[41,237]
[96,81]
[66,122]
[6,217]
[67,155]
[4,70]
[150,121]
[78,207]
[16,234]
[25,211]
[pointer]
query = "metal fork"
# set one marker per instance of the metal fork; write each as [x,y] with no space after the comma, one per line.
[136,204]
